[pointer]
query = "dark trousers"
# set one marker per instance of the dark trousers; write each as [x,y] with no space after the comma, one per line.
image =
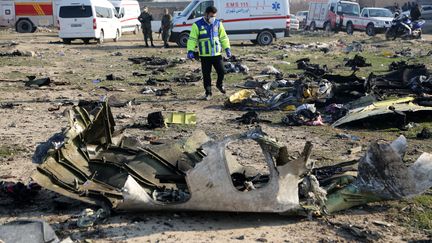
[147,34]
[206,66]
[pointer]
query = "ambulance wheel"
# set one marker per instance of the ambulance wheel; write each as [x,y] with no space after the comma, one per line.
[265,38]
[117,36]
[312,26]
[350,28]
[101,37]
[136,30]
[24,26]
[182,40]
[370,30]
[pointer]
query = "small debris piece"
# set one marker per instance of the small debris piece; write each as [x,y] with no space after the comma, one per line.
[425,133]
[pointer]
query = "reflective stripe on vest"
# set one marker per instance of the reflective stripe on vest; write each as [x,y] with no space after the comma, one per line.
[208,40]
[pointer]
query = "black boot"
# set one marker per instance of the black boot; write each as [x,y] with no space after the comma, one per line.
[221,88]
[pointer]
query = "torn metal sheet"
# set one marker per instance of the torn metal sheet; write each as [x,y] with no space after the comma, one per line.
[383,175]
[98,165]
[24,231]
[396,107]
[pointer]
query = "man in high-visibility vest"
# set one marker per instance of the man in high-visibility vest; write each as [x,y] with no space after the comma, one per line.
[209,35]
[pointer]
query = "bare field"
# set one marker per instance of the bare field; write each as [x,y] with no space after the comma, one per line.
[73,68]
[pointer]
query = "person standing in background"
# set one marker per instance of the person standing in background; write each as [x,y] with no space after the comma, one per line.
[166,27]
[146,18]
[415,12]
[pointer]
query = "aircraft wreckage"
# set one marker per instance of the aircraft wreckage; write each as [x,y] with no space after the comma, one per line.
[92,162]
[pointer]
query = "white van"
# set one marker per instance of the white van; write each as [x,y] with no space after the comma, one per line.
[128,11]
[87,20]
[259,21]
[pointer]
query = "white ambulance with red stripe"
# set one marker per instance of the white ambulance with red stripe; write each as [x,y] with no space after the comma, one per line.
[128,11]
[27,15]
[260,21]
[332,15]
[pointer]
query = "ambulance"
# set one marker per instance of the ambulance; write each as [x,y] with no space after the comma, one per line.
[26,15]
[332,14]
[260,21]
[128,11]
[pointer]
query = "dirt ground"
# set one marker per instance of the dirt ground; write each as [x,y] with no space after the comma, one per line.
[73,68]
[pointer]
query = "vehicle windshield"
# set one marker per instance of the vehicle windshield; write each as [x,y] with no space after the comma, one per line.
[350,9]
[380,13]
[188,9]
[118,9]
[75,12]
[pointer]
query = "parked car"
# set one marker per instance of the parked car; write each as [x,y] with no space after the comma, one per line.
[302,17]
[374,20]
[295,23]
[258,21]
[87,20]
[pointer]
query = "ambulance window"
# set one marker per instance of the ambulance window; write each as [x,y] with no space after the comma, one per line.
[7,12]
[200,9]
[120,11]
[333,7]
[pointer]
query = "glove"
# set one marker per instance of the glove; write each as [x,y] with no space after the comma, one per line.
[190,55]
[228,52]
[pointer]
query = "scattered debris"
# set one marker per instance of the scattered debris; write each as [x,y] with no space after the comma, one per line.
[36,231]
[397,113]
[139,175]
[383,175]
[88,217]
[185,118]
[425,133]
[382,223]
[155,120]
[20,192]
[235,68]
[251,100]
[112,77]
[270,70]
[348,137]
[361,232]
[18,53]
[187,78]
[38,82]
[156,61]
[354,47]
[357,61]
[304,115]
[251,117]
[8,105]
[315,69]
[117,54]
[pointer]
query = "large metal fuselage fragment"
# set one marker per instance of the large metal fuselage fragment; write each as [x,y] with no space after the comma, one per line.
[98,165]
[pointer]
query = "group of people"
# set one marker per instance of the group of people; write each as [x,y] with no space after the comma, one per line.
[166,24]
[413,7]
